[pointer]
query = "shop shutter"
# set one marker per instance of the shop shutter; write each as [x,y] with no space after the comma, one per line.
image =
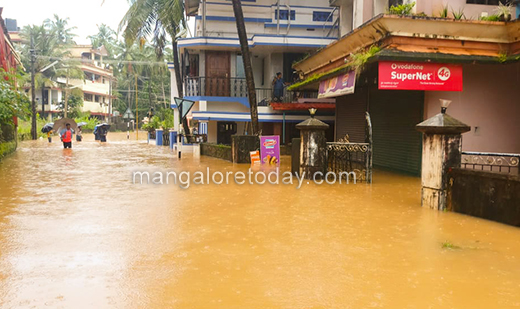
[397,145]
[350,116]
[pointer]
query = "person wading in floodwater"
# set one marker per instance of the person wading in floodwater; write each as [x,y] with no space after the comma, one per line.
[278,85]
[66,136]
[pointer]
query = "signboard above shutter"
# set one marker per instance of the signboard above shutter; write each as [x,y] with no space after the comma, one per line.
[338,85]
[395,75]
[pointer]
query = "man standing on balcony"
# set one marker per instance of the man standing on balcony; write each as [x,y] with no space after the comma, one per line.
[278,85]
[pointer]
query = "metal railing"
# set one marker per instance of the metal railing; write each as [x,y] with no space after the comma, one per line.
[237,87]
[344,156]
[507,163]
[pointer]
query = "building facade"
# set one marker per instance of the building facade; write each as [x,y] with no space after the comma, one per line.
[279,34]
[96,87]
[481,58]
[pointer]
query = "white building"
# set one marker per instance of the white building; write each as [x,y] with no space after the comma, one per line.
[96,85]
[279,33]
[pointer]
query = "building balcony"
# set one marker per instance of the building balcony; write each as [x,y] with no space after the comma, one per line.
[235,87]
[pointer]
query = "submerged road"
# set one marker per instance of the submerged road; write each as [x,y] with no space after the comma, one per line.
[76,232]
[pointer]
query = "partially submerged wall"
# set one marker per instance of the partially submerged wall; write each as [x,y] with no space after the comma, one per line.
[216,151]
[486,195]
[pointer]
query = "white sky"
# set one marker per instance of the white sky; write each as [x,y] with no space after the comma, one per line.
[83,14]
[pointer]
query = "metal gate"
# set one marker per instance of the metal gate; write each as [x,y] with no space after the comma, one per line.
[352,158]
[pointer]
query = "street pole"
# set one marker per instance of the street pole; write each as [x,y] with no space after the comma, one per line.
[34,134]
[136,109]
[66,95]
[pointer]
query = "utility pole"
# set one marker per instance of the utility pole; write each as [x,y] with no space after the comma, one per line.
[136,109]
[66,95]
[34,134]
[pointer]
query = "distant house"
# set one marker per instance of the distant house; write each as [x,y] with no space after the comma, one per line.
[96,86]
[279,34]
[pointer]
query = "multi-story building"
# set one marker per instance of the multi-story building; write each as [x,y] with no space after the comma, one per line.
[413,61]
[279,34]
[97,84]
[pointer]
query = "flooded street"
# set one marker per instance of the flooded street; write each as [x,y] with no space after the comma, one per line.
[76,232]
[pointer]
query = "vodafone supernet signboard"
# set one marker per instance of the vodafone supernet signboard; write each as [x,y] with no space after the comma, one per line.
[397,75]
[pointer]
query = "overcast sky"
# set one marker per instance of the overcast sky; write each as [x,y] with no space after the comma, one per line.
[84,15]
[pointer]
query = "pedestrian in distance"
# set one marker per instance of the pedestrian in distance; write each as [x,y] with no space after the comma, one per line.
[49,136]
[79,136]
[66,136]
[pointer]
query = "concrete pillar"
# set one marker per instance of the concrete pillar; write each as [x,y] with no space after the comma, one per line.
[442,148]
[173,138]
[159,137]
[313,149]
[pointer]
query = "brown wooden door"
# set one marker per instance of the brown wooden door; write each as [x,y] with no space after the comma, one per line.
[217,74]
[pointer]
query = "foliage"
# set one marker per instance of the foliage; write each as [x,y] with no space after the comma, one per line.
[504,10]
[490,18]
[444,12]
[449,245]
[166,115]
[60,29]
[155,19]
[356,62]
[24,128]
[402,9]
[502,57]
[153,124]
[12,101]
[74,103]
[458,15]
[91,122]
[7,148]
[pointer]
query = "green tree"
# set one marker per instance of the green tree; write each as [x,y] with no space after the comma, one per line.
[106,37]
[157,19]
[60,28]
[53,58]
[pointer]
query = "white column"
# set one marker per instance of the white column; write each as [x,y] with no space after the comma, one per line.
[174,94]
[358,13]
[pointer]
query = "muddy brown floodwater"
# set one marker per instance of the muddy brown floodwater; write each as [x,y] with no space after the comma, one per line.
[75,232]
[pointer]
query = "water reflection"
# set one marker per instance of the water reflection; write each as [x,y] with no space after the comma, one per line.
[75,231]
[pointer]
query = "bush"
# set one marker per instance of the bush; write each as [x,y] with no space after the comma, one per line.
[153,124]
[91,122]
[402,9]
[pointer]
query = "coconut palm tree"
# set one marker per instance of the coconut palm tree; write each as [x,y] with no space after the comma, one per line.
[106,37]
[52,57]
[60,28]
[246,57]
[158,19]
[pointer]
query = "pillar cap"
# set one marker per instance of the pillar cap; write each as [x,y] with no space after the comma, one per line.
[312,124]
[442,123]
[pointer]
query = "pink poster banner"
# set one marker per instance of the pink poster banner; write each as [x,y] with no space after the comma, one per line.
[270,150]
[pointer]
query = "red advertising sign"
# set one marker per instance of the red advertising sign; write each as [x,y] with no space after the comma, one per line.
[396,75]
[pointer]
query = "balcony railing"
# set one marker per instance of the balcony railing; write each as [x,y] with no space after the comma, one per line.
[235,87]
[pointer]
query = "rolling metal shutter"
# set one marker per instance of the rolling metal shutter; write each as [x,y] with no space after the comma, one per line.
[350,116]
[394,113]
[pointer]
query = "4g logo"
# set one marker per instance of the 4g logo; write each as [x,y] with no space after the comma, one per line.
[444,73]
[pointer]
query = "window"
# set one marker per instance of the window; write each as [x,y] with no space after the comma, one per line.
[96,98]
[87,97]
[486,2]
[284,15]
[321,16]
[240,67]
